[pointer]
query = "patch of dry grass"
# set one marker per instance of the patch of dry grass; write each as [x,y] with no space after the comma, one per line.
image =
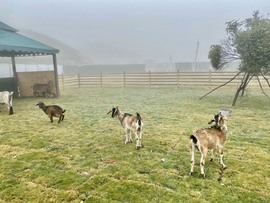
[84,159]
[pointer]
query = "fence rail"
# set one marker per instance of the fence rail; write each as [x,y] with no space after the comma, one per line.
[154,79]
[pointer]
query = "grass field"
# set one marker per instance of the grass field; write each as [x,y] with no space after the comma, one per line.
[84,158]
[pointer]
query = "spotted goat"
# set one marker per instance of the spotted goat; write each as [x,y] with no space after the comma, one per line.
[129,123]
[209,139]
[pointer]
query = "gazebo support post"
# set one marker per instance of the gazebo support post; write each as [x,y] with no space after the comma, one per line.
[14,76]
[56,75]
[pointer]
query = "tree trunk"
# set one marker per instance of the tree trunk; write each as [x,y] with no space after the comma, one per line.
[236,95]
[246,82]
[246,79]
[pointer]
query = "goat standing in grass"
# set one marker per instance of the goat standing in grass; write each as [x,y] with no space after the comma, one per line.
[52,111]
[6,98]
[208,139]
[130,122]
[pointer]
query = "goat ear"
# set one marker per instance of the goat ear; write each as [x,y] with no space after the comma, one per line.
[211,121]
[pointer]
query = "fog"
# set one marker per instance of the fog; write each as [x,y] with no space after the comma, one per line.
[131,31]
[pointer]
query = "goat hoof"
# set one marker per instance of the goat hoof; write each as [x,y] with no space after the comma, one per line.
[191,173]
[211,159]
[138,147]
[202,176]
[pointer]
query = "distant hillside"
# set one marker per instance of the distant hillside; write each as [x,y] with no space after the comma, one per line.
[66,56]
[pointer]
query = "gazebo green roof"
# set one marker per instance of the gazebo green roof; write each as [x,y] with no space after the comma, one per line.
[14,44]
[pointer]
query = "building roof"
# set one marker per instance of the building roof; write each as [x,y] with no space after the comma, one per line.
[6,27]
[14,44]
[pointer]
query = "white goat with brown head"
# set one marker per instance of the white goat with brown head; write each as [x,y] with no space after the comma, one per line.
[130,123]
[209,139]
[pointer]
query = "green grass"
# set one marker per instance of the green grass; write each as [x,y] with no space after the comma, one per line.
[84,158]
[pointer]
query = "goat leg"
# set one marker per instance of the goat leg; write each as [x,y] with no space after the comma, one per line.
[140,139]
[192,161]
[213,154]
[202,161]
[137,141]
[221,158]
[126,136]
[130,136]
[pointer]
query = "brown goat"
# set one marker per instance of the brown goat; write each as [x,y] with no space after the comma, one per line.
[52,111]
[208,139]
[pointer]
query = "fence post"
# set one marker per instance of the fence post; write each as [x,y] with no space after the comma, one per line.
[149,78]
[124,78]
[101,80]
[177,78]
[79,81]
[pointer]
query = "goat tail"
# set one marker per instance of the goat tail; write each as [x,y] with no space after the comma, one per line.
[194,139]
[63,111]
[139,118]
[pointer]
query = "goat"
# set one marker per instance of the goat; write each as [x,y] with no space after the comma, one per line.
[208,139]
[43,90]
[6,98]
[130,122]
[52,111]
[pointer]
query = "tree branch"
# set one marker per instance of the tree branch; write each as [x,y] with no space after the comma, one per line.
[265,79]
[229,53]
[258,79]
[221,85]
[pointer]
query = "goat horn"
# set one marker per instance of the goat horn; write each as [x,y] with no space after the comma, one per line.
[109,111]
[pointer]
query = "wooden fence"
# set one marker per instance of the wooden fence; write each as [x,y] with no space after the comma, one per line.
[153,79]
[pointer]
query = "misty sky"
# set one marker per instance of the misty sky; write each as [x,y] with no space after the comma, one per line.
[131,31]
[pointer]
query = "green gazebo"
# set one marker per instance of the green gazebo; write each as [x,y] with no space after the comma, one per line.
[15,45]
